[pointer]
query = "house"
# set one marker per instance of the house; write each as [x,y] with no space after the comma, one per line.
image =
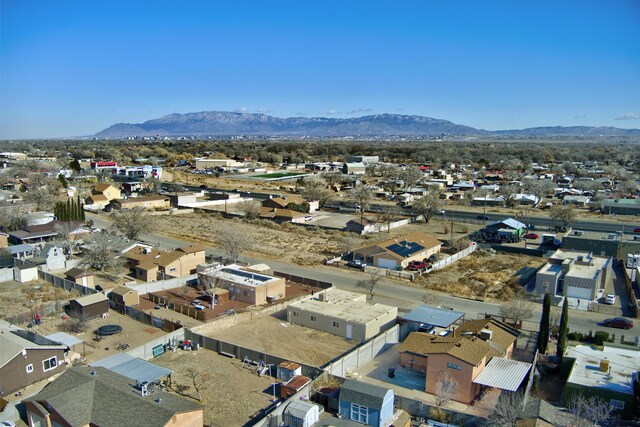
[574,274]
[301,413]
[460,357]
[400,251]
[80,277]
[103,165]
[95,396]
[34,233]
[282,215]
[287,370]
[148,264]
[204,164]
[284,202]
[182,198]
[124,296]
[464,186]
[618,246]
[51,256]
[96,201]
[579,201]
[362,225]
[351,319]
[106,190]
[147,202]
[366,404]
[4,240]
[507,227]
[246,285]
[89,306]
[621,206]
[362,159]
[608,373]
[27,358]
[354,168]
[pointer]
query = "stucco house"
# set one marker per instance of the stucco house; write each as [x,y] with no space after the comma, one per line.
[284,201]
[147,202]
[400,251]
[149,264]
[245,284]
[106,190]
[51,256]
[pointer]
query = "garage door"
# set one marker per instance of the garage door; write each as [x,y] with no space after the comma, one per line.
[386,263]
[577,292]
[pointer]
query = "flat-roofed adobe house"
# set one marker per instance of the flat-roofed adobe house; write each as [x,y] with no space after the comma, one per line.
[246,285]
[96,396]
[399,251]
[463,356]
[26,358]
[147,202]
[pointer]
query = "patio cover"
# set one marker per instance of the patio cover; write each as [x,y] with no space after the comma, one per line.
[439,317]
[65,339]
[133,367]
[505,374]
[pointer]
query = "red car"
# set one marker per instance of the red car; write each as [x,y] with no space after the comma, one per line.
[618,322]
[416,265]
[531,236]
[636,230]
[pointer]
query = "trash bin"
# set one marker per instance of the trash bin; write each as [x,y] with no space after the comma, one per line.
[392,372]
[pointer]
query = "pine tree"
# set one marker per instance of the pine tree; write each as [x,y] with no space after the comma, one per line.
[564,330]
[543,331]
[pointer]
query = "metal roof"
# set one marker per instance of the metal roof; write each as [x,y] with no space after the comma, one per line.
[299,408]
[509,222]
[360,393]
[439,317]
[505,374]
[64,338]
[133,367]
[15,249]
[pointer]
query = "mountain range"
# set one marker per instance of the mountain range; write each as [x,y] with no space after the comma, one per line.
[220,123]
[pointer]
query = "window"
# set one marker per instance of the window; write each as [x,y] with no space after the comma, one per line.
[314,318]
[49,364]
[617,404]
[336,324]
[245,293]
[359,413]
[454,366]
[295,313]
[29,368]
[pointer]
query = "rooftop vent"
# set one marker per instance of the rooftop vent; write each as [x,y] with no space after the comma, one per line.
[486,334]
[94,373]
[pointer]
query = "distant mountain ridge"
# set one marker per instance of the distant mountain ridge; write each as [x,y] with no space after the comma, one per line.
[220,123]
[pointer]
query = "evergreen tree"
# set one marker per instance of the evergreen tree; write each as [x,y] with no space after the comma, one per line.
[564,329]
[74,165]
[543,331]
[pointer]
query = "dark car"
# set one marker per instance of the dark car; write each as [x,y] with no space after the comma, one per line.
[416,265]
[618,322]
[636,230]
[356,263]
[483,217]
[531,236]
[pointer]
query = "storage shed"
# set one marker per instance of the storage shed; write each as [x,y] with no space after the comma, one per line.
[301,413]
[287,370]
[80,277]
[124,296]
[89,306]
[26,272]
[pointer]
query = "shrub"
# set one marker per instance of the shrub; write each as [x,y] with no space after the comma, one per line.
[600,337]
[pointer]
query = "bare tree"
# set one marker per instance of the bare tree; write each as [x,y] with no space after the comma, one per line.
[13,219]
[362,195]
[40,196]
[315,188]
[518,307]
[587,412]
[446,390]
[410,177]
[430,298]
[508,192]
[427,206]
[133,222]
[370,283]
[102,252]
[200,380]
[233,243]
[566,214]
[249,208]
[387,216]
[510,408]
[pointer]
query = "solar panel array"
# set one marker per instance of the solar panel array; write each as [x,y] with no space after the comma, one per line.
[34,338]
[405,249]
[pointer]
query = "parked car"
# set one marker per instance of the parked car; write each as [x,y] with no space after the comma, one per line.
[618,322]
[610,299]
[356,263]
[531,236]
[416,265]
[636,230]
[308,217]
[483,217]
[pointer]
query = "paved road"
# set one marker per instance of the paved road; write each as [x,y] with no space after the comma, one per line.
[405,297]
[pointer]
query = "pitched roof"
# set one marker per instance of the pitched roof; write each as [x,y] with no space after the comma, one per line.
[121,290]
[90,299]
[108,399]
[76,273]
[192,248]
[279,213]
[134,200]
[361,393]
[502,334]
[12,344]
[404,246]
[468,349]
[101,187]
[97,198]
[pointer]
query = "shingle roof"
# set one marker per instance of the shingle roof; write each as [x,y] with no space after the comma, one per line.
[361,393]
[416,238]
[108,399]
[12,344]
[121,290]
[468,349]
[503,334]
[78,272]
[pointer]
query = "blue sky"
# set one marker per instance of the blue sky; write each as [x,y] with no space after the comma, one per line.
[71,68]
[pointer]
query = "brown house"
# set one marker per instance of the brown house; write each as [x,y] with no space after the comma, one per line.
[106,190]
[461,357]
[124,296]
[26,358]
[95,396]
[81,277]
[148,264]
[89,306]
[147,202]
[282,215]
[4,240]
[399,251]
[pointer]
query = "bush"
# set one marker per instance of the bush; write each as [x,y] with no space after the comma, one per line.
[600,337]
[574,336]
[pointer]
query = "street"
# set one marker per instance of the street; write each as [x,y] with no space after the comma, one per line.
[404,296]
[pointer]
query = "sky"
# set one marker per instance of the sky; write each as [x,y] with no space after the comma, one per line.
[73,68]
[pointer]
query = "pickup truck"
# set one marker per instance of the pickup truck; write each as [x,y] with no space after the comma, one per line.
[416,265]
[356,263]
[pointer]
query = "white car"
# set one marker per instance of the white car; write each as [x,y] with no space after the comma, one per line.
[610,299]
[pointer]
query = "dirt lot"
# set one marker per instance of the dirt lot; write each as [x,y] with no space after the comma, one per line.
[273,335]
[22,298]
[133,333]
[234,393]
[484,275]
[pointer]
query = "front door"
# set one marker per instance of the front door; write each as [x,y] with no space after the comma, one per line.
[349,331]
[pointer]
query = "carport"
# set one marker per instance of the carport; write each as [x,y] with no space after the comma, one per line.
[133,367]
[440,317]
[504,374]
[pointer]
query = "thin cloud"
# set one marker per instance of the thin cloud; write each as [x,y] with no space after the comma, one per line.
[360,110]
[333,112]
[580,116]
[629,116]
[241,109]
[263,110]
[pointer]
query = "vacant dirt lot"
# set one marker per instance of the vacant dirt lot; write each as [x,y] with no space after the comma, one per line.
[23,298]
[234,394]
[484,275]
[273,335]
